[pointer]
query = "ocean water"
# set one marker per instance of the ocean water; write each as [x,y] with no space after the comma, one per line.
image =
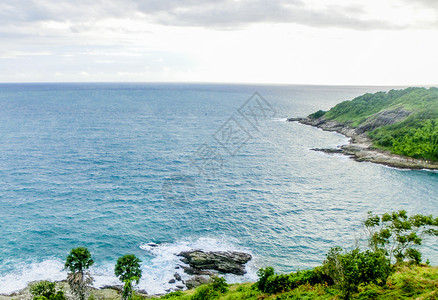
[115,166]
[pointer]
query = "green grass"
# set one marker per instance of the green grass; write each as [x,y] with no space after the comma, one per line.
[406,283]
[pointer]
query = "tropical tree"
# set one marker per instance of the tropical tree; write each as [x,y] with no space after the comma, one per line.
[399,235]
[128,271]
[78,262]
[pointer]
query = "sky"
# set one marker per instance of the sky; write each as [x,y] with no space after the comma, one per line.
[372,42]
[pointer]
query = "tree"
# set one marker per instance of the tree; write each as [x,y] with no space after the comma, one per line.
[128,271]
[78,262]
[399,235]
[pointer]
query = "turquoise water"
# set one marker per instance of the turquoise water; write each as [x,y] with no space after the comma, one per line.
[115,166]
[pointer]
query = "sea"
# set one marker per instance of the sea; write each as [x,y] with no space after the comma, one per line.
[153,169]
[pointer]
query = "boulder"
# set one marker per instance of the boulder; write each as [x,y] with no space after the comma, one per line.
[196,281]
[224,262]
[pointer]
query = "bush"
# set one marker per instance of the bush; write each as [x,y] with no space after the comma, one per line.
[263,274]
[270,283]
[46,290]
[205,292]
[351,269]
[212,290]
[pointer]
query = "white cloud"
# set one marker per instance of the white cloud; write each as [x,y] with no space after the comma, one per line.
[312,41]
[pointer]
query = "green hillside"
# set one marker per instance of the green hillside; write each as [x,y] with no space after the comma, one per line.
[404,122]
[407,283]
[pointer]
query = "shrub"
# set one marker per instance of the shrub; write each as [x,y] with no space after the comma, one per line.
[263,274]
[270,283]
[46,290]
[351,269]
[205,292]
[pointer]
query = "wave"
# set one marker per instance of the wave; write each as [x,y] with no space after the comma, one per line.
[157,271]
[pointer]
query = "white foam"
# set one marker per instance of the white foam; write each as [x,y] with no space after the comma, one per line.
[24,274]
[162,267]
[156,272]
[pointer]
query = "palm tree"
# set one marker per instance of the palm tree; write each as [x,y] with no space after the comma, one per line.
[128,270]
[78,262]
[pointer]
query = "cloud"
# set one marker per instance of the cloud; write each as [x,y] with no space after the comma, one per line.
[223,14]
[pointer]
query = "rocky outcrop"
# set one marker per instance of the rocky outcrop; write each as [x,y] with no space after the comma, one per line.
[361,147]
[386,117]
[225,262]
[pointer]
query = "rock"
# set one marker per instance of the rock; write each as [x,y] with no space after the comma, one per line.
[224,262]
[172,280]
[118,288]
[386,117]
[180,287]
[196,281]
[196,271]
[177,276]
[141,292]
[294,119]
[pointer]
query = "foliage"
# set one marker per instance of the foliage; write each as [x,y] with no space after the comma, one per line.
[46,290]
[78,262]
[128,270]
[399,235]
[413,282]
[212,290]
[351,269]
[263,274]
[271,283]
[317,114]
[219,284]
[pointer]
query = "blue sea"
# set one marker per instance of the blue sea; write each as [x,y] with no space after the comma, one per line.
[114,167]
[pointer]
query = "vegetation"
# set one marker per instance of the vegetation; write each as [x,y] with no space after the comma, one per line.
[398,236]
[415,134]
[78,262]
[128,270]
[413,282]
[351,274]
[46,290]
[390,269]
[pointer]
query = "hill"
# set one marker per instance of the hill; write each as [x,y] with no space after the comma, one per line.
[404,122]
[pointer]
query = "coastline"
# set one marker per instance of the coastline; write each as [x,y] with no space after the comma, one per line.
[360,147]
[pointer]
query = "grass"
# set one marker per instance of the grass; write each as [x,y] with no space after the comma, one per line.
[407,283]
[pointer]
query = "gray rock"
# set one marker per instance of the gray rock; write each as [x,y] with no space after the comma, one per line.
[196,281]
[118,288]
[224,262]
[172,280]
[177,276]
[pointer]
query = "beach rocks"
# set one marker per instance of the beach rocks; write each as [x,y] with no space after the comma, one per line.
[177,276]
[225,262]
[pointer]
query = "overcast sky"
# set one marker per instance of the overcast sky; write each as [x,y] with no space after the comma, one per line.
[369,42]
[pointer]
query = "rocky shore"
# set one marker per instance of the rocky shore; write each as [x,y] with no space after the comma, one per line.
[360,147]
[200,265]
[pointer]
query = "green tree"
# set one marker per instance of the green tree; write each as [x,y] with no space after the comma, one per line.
[128,271]
[78,262]
[399,235]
